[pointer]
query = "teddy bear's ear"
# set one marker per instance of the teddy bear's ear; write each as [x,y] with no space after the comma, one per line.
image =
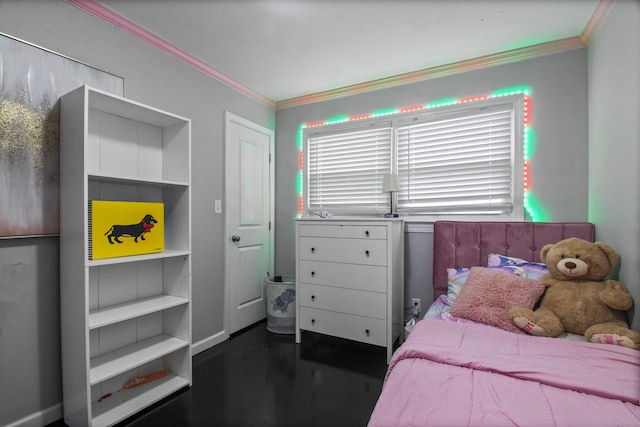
[608,251]
[544,251]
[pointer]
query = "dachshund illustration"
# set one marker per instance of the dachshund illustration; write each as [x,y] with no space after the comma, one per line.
[134,230]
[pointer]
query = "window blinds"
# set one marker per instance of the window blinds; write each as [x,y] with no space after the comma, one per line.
[462,159]
[457,163]
[346,168]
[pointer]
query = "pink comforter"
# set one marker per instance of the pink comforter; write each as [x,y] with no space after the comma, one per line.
[458,374]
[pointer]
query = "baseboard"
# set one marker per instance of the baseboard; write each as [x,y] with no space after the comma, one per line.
[209,342]
[40,418]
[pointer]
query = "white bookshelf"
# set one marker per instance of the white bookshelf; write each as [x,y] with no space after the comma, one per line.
[124,317]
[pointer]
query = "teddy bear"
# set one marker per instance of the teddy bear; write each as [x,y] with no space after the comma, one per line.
[577,297]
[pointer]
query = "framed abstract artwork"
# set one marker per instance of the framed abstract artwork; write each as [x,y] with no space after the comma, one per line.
[32,79]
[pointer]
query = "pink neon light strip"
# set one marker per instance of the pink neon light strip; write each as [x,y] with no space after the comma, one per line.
[107,15]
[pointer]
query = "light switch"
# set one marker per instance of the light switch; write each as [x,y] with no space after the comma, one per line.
[218,206]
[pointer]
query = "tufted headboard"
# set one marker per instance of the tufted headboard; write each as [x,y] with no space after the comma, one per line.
[466,244]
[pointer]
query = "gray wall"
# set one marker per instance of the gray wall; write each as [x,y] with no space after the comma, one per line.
[30,379]
[30,384]
[614,139]
[558,164]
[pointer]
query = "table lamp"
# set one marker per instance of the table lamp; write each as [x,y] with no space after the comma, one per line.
[389,185]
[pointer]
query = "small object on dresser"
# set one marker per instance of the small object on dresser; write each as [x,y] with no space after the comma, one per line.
[323,214]
[146,378]
[390,185]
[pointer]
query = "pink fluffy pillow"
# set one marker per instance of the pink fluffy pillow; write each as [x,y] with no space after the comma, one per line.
[487,296]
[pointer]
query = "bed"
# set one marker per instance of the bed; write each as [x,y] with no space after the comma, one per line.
[453,371]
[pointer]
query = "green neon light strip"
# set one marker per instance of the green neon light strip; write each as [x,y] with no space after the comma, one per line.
[442,102]
[536,212]
[301,137]
[512,91]
[299,181]
[384,112]
[338,119]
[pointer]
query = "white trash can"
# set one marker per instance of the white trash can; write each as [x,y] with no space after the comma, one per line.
[281,304]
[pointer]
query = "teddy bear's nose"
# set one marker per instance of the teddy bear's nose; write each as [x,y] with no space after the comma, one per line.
[570,265]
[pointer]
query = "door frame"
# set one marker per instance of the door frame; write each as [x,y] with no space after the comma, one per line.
[228,118]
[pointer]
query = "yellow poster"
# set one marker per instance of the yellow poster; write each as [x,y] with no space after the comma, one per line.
[125,228]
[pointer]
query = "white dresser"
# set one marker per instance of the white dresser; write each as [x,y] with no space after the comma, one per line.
[350,279]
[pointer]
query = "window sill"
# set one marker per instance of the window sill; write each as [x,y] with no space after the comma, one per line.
[424,223]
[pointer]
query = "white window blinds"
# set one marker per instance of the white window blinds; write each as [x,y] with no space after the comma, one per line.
[345,168]
[456,160]
[457,163]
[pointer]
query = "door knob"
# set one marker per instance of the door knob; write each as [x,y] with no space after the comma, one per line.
[235,238]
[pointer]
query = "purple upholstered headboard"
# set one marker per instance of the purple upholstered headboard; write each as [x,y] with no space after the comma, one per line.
[466,244]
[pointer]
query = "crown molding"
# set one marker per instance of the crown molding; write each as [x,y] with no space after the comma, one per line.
[602,9]
[101,12]
[514,55]
[596,20]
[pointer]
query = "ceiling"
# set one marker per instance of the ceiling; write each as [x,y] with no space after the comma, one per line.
[287,49]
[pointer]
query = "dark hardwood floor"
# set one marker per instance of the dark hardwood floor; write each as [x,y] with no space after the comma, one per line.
[258,378]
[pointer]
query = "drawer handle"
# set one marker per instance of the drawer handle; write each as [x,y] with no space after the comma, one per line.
[313,274]
[313,250]
[366,233]
[367,332]
[313,297]
[313,321]
[366,253]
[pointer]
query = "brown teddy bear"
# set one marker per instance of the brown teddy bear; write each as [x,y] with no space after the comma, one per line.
[577,298]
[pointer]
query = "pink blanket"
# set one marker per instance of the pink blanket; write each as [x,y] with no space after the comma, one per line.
[458,374]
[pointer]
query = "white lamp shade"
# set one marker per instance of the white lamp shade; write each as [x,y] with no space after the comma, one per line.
[390,183]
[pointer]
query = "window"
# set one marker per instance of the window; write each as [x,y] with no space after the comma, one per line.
[345,168]
[462,159]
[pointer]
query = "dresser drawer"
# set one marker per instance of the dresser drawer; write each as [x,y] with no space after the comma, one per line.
[344,231]
[354,251]
[361,303]
[352,276]
[357,328]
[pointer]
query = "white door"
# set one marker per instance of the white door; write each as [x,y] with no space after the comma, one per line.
[248,214]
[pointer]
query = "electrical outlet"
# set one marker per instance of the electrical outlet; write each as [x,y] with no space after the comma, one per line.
[415,302]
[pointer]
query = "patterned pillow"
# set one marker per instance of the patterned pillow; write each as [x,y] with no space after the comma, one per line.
[497,259]
[441,309]
[533,270]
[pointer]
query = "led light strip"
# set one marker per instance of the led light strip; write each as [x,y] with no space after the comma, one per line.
[527,136]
